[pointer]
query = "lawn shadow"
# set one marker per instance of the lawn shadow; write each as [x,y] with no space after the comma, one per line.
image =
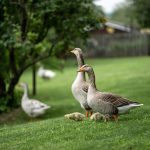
[18,116]
[61,110]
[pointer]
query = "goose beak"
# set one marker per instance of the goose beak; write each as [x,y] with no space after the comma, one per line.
[80,70]
[72,51]
[19,85]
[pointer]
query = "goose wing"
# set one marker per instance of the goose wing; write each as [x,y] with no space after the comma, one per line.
[35,104]
[85,87]
[106,107]
[116,100]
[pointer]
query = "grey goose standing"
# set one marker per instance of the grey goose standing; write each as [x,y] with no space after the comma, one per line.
[80,86]
[99,101]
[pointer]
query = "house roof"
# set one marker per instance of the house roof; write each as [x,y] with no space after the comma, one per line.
[118,26]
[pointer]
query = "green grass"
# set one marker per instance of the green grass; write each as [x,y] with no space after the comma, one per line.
[129,77]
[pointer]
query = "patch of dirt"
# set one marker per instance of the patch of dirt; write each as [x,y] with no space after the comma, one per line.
[10,116]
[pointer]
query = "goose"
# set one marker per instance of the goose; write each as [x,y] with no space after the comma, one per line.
[45,73]
[33,108]
[98,100]
[80,86]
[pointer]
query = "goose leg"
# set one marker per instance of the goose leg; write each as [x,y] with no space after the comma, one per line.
[115,117]
[87,114]
[91,113]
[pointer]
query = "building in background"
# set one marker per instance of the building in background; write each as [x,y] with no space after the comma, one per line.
[117,40]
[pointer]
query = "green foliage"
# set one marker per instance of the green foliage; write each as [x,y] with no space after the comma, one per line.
[54,63]
[4,101]
[3,66]
[128,77]
[133,12]
[27,31]
[34,30]
[3,104]
[121,14]
[142,12]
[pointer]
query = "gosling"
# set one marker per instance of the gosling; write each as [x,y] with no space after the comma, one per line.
[98,116]
[75,116]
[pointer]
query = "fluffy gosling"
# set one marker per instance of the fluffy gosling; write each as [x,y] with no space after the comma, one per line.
[75,116]
[98,116]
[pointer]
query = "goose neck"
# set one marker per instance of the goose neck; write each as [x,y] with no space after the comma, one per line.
[25,95]
[80,60]
[91,76]
[81,76]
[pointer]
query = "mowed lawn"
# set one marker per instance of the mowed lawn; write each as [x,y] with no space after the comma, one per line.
[129,77]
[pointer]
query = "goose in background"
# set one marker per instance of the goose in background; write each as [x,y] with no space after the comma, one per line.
[80,86]
[103,102]
[32,107]
[45,73]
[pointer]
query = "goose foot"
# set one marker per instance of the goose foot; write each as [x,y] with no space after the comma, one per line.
[115,117]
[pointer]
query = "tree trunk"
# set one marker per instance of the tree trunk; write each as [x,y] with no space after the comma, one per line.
[10,92]
[34,79]
[148,45]
[2,87]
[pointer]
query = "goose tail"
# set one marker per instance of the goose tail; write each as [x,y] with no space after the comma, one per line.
[47,107]
[136,105]
[126,108]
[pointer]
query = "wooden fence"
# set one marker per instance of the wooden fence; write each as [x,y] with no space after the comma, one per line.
[118,45]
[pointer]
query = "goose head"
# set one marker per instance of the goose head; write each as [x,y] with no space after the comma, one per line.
[85,68]
[23,85]
[77,51]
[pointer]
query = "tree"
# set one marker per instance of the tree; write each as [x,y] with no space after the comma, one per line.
[33,30]
[122,15]
[142,12]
